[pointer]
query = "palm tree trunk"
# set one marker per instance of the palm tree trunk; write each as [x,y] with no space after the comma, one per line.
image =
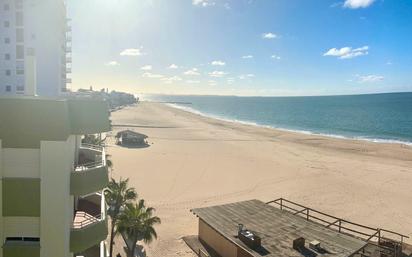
[133,249]
[111,238]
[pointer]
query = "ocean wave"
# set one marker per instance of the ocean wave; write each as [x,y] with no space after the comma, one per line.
[306,132]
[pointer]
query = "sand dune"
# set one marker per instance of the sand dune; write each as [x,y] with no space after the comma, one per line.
[194,161]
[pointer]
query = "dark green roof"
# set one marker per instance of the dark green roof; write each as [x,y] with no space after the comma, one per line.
[25,121]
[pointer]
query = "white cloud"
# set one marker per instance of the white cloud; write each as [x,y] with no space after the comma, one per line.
[347,52]
[218,63]
[151,75]
[276,57]
[146,67]
[370,78]
[131,52]
[227,6]
[112,63]
[173,66]
[245,76]
[203,3]
[247,57]
[193,81]
[354,4]
[269,35]
[230,80]
[217,74]
[212,83]
[171,79]
[192,72]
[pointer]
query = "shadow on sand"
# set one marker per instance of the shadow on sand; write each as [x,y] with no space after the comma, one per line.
[141,145]
[139,252]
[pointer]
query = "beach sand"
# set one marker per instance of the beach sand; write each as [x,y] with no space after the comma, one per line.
[194,161]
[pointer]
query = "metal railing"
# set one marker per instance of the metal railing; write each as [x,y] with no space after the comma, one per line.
[87,220]
[93,147]
[343,226]
[79,167]
[88,165]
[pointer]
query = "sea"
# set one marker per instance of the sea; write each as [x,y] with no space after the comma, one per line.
[385,118]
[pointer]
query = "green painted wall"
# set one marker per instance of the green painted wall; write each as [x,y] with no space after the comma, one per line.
[89,116]
[89,181]
[21,250]
[21,197]
[25,121]
[82,239]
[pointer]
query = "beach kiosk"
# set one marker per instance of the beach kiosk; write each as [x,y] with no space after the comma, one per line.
[130,138]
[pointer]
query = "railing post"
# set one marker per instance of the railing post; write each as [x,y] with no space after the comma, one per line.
[281,203]
[379,236]
[307,214]
[340,225]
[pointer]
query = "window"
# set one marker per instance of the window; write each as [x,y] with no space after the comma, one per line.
[22,239]
[7,56]
[19,19]
[19,71]
[8,72]
[7,24]
[20,88]
[19,52]
[19,35]
[7,40]
[19,4]
[8,88]
[6,7]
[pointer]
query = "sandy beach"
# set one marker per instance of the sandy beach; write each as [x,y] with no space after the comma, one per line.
[194,161]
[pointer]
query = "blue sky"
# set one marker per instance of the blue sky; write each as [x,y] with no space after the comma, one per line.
[242,47]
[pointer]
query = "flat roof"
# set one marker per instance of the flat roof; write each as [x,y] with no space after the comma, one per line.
[277,229]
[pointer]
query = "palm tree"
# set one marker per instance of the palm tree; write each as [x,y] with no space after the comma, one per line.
[136,223]
[117,195]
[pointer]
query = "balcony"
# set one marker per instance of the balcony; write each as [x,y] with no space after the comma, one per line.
[90,173]
[89,227]
[68,80]
[68,60]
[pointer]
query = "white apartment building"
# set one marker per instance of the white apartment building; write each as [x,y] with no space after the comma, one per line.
[35,47]
[51,185]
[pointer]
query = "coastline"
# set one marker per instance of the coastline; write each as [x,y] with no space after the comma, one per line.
[194,161]
[306,132]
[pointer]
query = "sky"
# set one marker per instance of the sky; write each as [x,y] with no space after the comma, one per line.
[242,47]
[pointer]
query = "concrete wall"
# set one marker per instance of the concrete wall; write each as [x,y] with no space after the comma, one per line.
[21,226]
[56,162]
[21,163]
[220,244]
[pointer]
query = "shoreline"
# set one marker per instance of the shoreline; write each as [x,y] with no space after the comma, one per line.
[193,161]
[304,132]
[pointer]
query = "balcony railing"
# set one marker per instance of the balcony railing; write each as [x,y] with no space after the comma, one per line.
[90,173]
[89,226]
[68,60]
[68,80]
[84,219]
[94,147]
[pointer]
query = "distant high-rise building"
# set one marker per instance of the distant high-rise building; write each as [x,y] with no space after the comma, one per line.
[35,47]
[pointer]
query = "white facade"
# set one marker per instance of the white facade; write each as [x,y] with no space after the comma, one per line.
[34,47]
